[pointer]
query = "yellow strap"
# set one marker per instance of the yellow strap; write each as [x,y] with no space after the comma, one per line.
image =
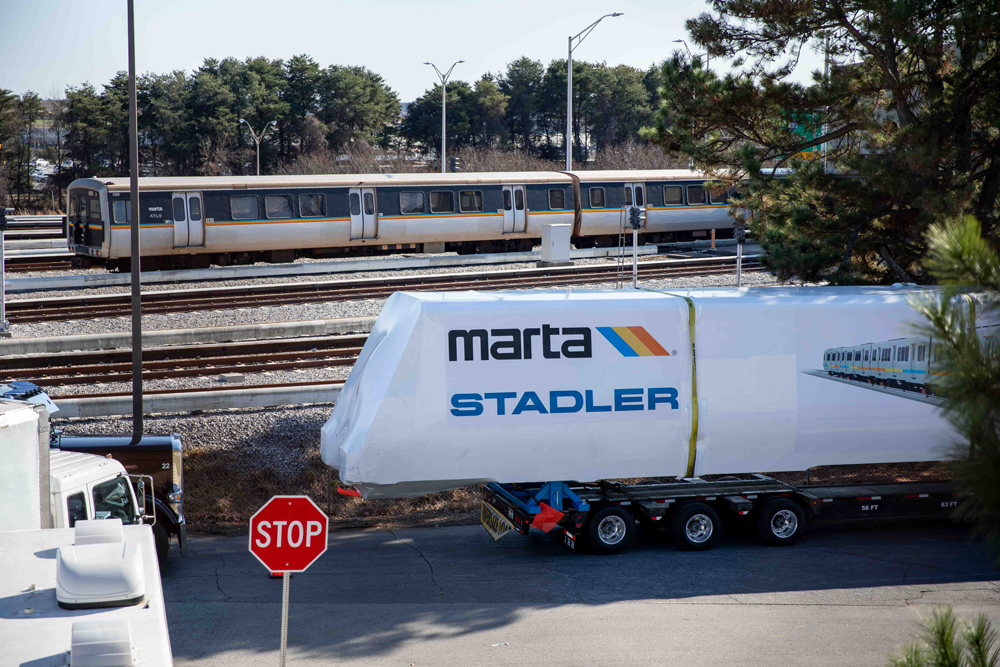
[693,444]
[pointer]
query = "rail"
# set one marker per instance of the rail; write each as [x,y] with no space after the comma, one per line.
[227,298]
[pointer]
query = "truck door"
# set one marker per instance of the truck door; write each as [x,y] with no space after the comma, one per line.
[364,213]
[189,220]
[514,209]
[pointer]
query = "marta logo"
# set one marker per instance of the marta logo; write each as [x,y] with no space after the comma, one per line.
[554,343]
[633,341]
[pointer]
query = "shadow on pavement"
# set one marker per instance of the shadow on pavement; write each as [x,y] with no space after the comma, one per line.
[375,591]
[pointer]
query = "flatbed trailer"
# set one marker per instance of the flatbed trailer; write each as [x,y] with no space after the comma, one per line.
[604,514]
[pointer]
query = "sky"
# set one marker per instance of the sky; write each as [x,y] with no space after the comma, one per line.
[48,45]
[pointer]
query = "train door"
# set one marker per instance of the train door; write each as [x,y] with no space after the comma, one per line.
[189,220]
[515,207]
[364,213]
[635,195]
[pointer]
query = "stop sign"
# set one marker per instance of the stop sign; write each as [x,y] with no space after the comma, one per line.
[288,533]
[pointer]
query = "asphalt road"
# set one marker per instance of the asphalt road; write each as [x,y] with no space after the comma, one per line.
[451,596]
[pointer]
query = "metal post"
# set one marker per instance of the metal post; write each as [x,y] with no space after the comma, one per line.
[739,263]
[444,102]
[285,578]
[713,239]
[4,324]
[133,141]
[569,107]
[257,141]
[635,258]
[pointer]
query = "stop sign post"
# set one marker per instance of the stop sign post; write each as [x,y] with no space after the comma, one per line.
[287,535]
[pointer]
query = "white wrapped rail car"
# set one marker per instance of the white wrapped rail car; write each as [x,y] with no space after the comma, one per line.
[459,388]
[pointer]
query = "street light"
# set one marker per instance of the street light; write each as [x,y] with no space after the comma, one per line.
[579,37]
[257,138]
[444,85]
[708,65]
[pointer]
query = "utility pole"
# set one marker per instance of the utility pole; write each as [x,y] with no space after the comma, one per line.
[257,138]
[579,37]
[133,180]
[444,89]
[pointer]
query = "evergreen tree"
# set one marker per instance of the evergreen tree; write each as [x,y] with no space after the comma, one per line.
[907,113]
[970,385]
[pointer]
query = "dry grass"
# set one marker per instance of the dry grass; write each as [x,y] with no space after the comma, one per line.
[222,490]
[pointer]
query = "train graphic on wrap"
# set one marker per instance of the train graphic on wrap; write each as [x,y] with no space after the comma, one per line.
[902,363]
[193,222]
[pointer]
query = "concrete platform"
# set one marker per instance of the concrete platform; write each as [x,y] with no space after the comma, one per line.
[104,279]
[224,399]
[162,337]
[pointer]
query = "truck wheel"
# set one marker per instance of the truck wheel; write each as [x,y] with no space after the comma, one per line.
[696,527]
[610,530]
[162,540]
[781,522]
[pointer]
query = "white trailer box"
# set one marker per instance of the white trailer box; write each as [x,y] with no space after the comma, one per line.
[20,490]
[459,388]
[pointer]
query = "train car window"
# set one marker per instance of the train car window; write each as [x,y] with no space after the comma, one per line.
[442,202]
[640,200]
[920,353]
[557,199]
[506,200]
[519,199]
[194,208]
[696,194]
[470,201]
[628,196]
[179,214]
[596,197]
[369,204]
[673,195]
[311,206]
[866,355]
[355,203]
[123,211]
[278,206]
[411,202]
[244,208]
[721,197]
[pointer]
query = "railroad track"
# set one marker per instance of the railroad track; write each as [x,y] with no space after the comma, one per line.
[25,311]
[78,368]
[27,263]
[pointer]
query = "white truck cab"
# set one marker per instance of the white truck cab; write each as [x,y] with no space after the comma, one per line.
[87,486]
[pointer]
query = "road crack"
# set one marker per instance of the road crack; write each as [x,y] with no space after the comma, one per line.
[421,554]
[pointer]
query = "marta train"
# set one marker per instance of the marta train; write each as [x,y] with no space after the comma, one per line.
[903,363]
[191,222]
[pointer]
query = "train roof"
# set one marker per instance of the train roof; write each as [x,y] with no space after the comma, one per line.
[375,180]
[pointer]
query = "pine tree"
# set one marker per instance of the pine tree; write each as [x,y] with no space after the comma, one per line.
[907,114]
[970,386]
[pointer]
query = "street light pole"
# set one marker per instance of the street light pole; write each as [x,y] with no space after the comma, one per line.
[569,85]
[135,259]
[257,138]
[444,88]
[708,64]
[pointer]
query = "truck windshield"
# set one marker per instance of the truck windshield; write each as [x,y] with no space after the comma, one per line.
[113,500]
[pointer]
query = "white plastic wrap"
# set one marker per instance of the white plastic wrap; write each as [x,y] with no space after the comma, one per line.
[609,394]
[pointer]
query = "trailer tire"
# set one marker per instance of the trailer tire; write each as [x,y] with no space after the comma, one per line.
[781,522]
[696,527]
[162,540]
[610,530]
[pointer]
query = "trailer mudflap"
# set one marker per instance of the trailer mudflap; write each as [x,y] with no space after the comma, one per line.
[508,511]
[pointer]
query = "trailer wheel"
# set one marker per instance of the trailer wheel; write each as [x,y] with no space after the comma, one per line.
[696,527]
[610,530]
[781,522]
